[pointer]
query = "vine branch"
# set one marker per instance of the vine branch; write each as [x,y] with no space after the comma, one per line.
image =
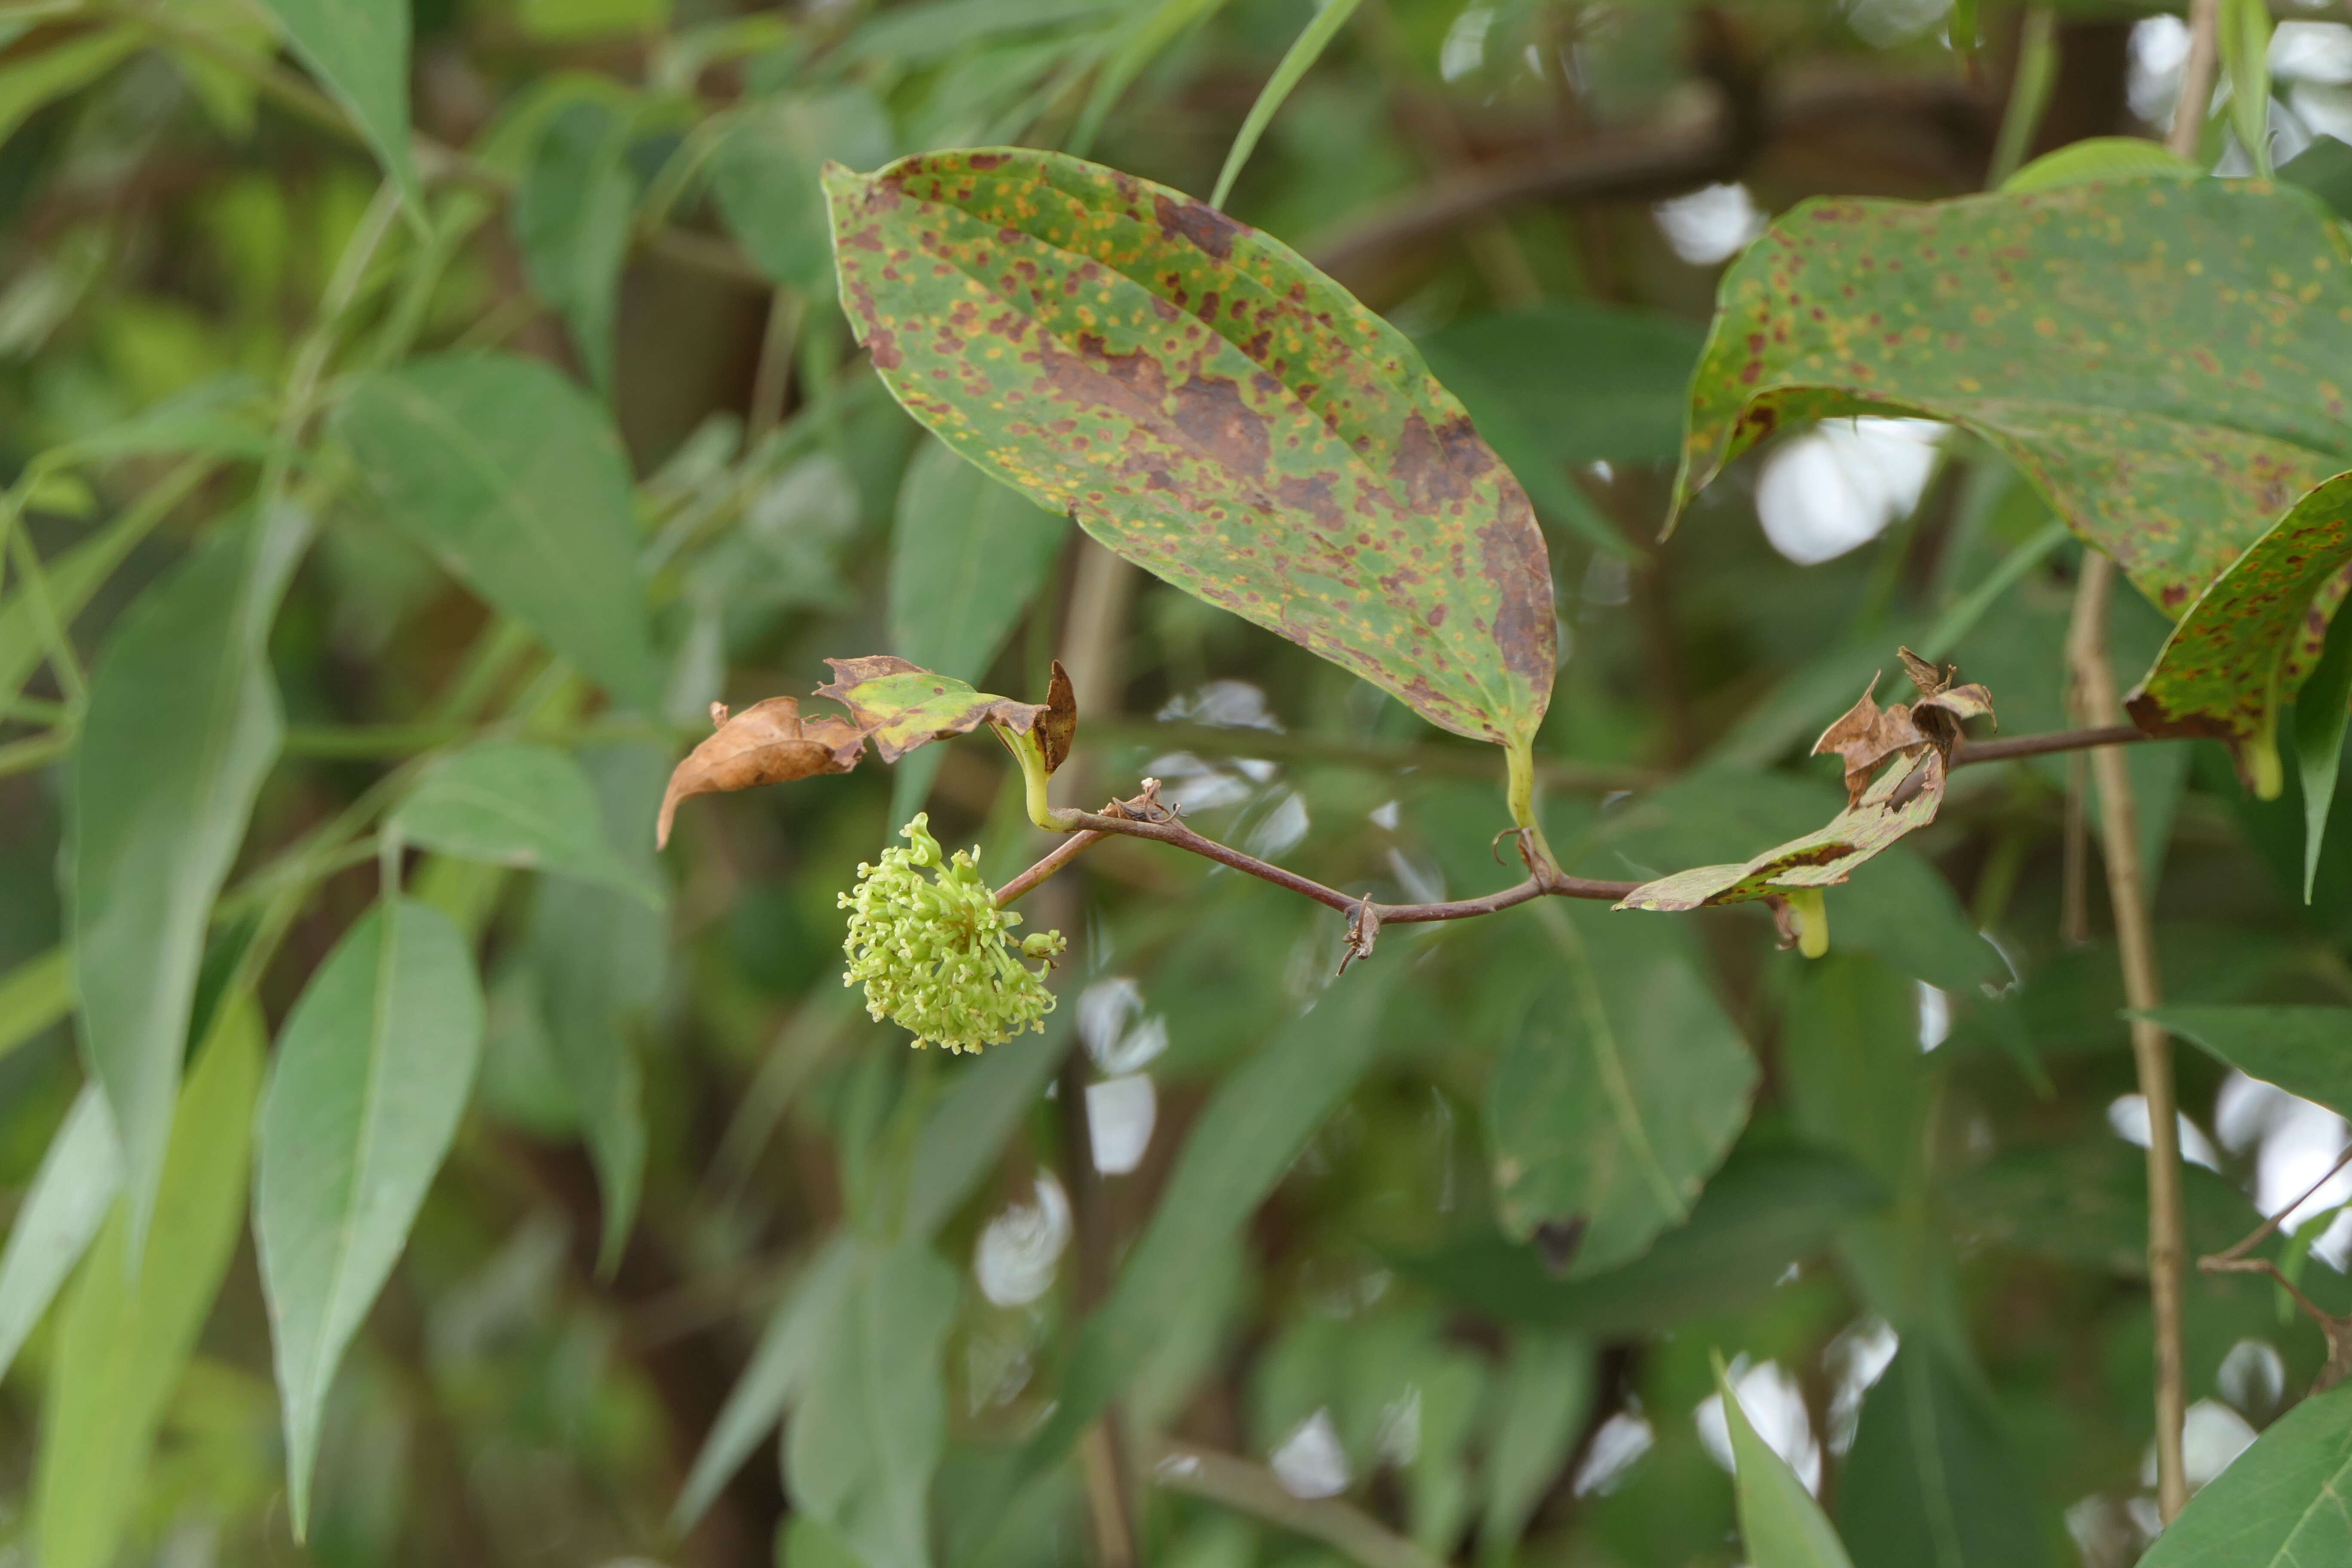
[1146,817]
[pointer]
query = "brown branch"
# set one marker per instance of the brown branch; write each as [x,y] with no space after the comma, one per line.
[1068,850]
[1252,1489]
[2095,699]
[1169,830]
[1163,826]
[1655,162]
[2010,748]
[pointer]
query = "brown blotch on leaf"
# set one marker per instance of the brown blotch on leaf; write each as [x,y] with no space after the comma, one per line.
[767,743]
[1201,224]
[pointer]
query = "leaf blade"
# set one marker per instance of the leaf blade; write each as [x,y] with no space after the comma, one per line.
[358,50]
[2280,1504]
[76,1185]
[183,722]
[513,804]
[1605,1145]
[1780,1522]
[516,480]
[125,1337]
[372,1071]
[1210,385]
[1296,61]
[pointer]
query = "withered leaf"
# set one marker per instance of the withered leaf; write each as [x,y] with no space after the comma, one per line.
[902,705]
[1059,727]
[1866,735]
[767,743]
[1904,799]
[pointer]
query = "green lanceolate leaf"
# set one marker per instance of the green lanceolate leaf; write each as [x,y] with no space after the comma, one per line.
[2100,158]
[959,1144]
[1780,1522]
[2320,709]
[509,803]
[70,1194]
[516,481]
[1759,1214]
[1618,1094]
[34,995]
[1254,1126]
[2161,357]
[372,1074]
[2303,1051]
[967,555]
[2280,1504]
[1546,1391]
[1624,403]
[1932,1479]
[41,76]
[1296,61]
[125,1335]
[359,50]
[2245,38]
[184,722]
[768,169]
[600,955]
[571,221]
[871,1427]
[1210,407]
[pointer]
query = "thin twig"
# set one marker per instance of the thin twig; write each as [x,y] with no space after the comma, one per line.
[2011,747]
[2264,1231]
[1542,881]
[2095,698]
[1068,850]
[1253,1490]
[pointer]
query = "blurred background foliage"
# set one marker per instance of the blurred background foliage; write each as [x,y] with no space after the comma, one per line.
[694,1190]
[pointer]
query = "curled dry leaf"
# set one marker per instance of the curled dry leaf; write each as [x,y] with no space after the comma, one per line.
[766,743]
[1901,800]
[1904,800]
[902,705]
[1866,735]
[1059,727]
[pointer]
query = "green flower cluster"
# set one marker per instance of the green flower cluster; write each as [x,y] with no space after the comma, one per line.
[932,951]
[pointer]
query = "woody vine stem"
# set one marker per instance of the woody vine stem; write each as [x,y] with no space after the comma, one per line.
[1146,817]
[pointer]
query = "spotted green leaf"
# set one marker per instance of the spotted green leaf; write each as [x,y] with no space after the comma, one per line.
[1206,403]
[2163,358]
[1819,860]
[901,706]
[2253,637]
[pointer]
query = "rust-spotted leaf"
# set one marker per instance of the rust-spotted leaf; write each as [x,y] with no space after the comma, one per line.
[901,706]
[2247,643]
[1205,402]
[2165,359]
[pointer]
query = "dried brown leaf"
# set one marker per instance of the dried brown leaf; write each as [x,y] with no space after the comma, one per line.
[767,743]
[1059,726]
[1866,735]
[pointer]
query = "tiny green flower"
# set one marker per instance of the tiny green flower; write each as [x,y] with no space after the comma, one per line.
[932,951]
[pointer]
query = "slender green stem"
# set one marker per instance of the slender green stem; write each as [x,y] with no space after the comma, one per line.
[2029,94]
[72,680]
[23,756]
